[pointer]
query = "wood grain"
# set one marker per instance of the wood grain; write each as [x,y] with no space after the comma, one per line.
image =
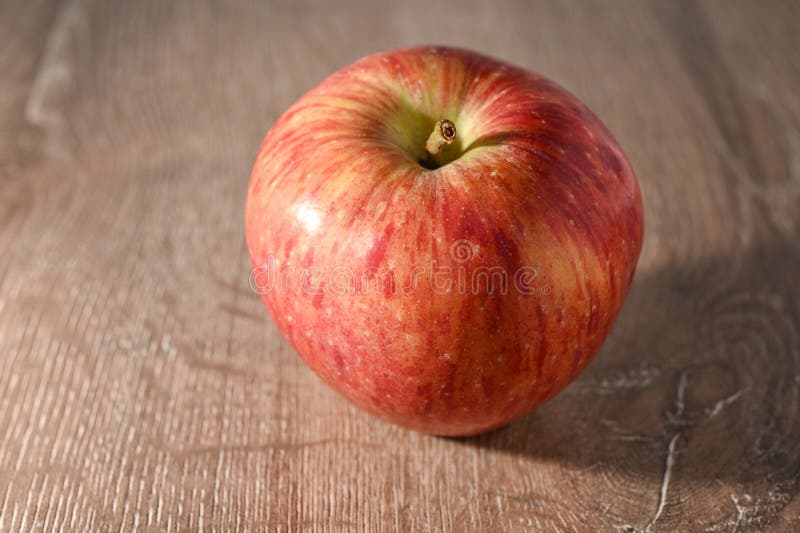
[142,386]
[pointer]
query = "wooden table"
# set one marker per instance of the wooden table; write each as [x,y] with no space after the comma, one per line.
[142,386]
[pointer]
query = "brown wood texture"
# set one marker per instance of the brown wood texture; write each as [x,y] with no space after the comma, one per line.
[142,386]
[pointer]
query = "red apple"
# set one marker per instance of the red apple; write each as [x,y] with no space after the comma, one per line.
[448,286]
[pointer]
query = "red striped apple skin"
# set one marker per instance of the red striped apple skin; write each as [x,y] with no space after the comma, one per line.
[339,206]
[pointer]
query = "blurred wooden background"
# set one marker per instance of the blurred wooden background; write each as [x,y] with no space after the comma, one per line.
[142,386]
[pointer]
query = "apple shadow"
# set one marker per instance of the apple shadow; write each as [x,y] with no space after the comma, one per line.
[703,363]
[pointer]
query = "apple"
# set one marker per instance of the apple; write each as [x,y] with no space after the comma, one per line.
[444,238]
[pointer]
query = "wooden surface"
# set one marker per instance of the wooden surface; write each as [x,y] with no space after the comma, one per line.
[142,386]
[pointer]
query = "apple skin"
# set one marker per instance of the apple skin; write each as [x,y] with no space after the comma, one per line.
[536,181]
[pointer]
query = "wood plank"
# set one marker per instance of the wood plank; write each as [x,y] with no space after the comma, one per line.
[142,385]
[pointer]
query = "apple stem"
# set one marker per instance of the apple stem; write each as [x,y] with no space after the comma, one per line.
[444,133]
